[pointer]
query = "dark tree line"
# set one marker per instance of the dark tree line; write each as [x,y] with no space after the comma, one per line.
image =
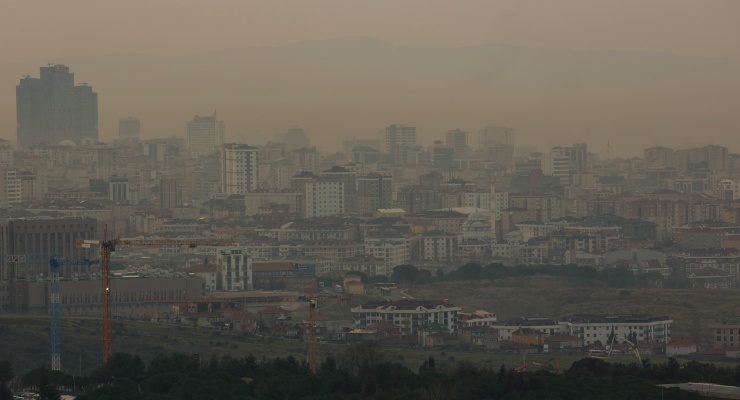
[362,372]
[408,275]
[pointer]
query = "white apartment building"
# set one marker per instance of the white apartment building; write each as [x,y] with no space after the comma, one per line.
[508,327]
[6,152]
[438,246]
[394,252]
[412,316]
[234,269]
[254,200]
[530,230]
[239,168]
[598,328]
[323,197]
[521,253]
[490,200]
[11,186]
[729,189]
[553,164]
[476,318]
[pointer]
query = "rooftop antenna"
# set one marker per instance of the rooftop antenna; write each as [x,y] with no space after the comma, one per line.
[608,149]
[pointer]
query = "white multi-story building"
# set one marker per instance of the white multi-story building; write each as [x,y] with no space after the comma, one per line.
[438,246]
[553,164]
[10,185]
[476,318]
[412,316]
[533,252]
[6,152]
[396,137]
[729,189]
[508,327]
[530,230]
[234,269]
[238,168]
[394,252]
[205,135]
[598,328]
[323,197]
[491,200]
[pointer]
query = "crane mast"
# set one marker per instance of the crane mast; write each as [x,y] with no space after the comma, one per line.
[107,246]
[56,357]
[312,335]
[55,264]
[105,249]
[312,306]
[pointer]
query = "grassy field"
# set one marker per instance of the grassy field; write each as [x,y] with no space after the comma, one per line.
[692,310]
[28,345]
[25,339]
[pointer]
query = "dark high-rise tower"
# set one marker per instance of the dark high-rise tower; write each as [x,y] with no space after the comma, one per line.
[50,108]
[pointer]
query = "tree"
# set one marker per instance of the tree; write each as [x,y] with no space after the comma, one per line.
[47,391]
[360,357]
[6,371]
[470,271]
[632,337]
[120,365]
[5,393]
[6,374]
[405,274]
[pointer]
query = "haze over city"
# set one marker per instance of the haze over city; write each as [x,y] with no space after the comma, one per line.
[241,199]
[663,72]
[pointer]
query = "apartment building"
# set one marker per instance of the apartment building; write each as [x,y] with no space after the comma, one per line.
[595,329]
[413,316]
[393,251]
[725,333]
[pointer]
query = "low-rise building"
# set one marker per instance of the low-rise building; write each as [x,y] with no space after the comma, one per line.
[478,338]
[413,316]
[595,329]
[563,343]
[725,333]
[476,318]
[530,336]
[680,347]
[507,328]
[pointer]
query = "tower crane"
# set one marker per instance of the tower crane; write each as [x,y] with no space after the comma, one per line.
[312,306]
[55,264]
[109,245]
[626,341]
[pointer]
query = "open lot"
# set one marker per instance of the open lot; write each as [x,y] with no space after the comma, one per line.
[692,310]
[26,339]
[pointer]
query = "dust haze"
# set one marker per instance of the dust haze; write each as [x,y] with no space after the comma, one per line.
[630,73]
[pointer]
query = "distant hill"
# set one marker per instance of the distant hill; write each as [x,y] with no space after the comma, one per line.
[356,86]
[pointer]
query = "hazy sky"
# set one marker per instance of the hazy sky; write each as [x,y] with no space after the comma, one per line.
[43,29]
[686,106]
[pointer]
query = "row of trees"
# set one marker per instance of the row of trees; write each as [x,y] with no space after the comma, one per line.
[409,275]
[363,372]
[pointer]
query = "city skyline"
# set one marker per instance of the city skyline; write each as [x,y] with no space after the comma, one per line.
[625,73]
[551,121]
